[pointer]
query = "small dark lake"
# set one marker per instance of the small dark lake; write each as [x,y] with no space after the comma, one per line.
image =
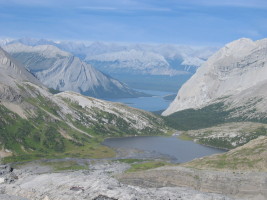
[173,148]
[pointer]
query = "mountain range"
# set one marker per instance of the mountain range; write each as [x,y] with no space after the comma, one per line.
[153,59]
[35,122]
[63,71]
[162,67]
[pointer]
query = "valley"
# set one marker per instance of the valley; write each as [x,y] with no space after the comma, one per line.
[133,100]
[98,149]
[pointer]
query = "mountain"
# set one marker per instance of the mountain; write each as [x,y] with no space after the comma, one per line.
[148,59]
[12,70]
[35,123]
[153,59]
[62,71]
[233,82]
[163,67]
[132,62]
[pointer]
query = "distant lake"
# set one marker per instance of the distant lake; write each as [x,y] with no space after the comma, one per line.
[154,103]
[177,150]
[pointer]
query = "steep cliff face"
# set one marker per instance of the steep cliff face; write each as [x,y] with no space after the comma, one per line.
[235,75]
[62,71]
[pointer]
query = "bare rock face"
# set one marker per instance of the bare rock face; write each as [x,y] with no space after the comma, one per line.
[233,71]
[9,94]
[11,70]
[11,74]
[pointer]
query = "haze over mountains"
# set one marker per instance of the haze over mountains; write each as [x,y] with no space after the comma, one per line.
[154,59]
[62,71]
[234,76]
[142,66]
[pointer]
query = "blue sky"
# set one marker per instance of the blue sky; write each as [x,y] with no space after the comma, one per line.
[190,22]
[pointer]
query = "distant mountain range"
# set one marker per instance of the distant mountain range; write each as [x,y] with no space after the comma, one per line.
[163,67]
[63,71]
[117,58]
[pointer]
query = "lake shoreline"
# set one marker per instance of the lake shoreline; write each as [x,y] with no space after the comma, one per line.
[170,147]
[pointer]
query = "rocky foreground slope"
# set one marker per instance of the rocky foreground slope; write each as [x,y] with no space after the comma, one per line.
[35,122]
[235,76]
[62,71]
[97,183]
[249,157]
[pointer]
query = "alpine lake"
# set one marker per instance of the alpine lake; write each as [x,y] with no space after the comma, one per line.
[171,148]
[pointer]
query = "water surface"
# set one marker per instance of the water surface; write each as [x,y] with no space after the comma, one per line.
[153,103]
[175,149]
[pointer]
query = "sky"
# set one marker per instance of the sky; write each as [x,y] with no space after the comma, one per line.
[188,22]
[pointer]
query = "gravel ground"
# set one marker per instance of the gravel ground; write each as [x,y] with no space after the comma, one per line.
[35,182]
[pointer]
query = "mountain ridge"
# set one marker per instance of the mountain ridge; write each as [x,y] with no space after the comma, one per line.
[234,69]
[35,123]
[176,58]
[62,71]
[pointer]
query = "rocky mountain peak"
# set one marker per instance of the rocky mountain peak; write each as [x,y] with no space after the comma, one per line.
[236,67]
[63,71]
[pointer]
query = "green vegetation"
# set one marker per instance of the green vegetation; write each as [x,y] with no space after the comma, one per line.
[223,162]
[110,124]
[53,91]
[251,156]
[192,119]
[66,165]
[222,143]
[146,165]
[48,133]
[184,136]
[227,143]
[40,137]
[131,161]
[211,115]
